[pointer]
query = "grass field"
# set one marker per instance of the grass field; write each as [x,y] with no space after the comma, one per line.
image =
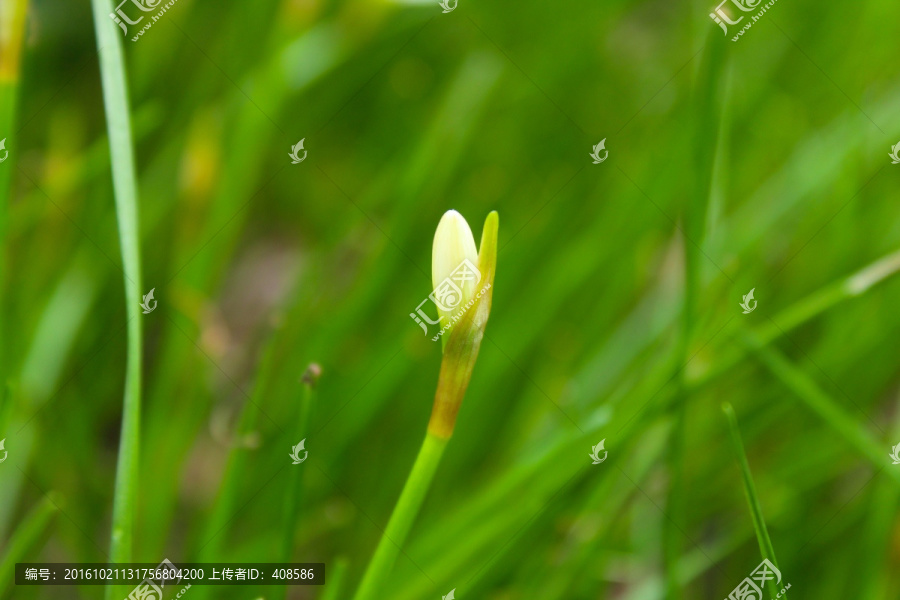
[286,282]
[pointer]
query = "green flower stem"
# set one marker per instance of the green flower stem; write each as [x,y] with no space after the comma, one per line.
[402,518]
[118,124]
[460,354]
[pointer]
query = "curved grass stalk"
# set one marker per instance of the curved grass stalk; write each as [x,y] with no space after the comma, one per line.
[118,122]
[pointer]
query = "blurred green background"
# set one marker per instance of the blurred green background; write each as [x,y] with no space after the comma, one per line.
[758,164]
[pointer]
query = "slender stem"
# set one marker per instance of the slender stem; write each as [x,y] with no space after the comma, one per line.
[844,423]
[759,523]
[402,518]
[118,121]
[706,119]
[295,477]
[30,533]
[12,27]
[334,585]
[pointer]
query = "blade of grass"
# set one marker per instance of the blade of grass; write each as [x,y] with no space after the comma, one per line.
[295,478]
[118,122]
[235,470]
[759,523]
[822,404]
[874,571]
[334,586]
[707,113]
[806,309]
[12,27]
[26,538]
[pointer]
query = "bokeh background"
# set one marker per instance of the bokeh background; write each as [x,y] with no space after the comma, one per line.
[761,164]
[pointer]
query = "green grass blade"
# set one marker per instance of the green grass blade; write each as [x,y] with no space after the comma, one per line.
[823,405]
[12,26]
[295,477]
[26,538]
[874,559]
[806,309]
[118,122]
[334,585]
[706,122]
[759,522]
